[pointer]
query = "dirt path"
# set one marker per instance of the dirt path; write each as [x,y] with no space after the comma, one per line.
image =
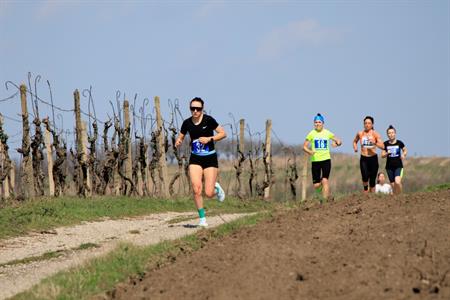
[358,248]
[66,241]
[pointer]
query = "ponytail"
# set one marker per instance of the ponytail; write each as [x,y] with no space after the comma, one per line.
[391,127]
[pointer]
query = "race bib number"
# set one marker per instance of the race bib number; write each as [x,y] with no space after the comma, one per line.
[366,142]
[394,151]
[199,148]
[321,144]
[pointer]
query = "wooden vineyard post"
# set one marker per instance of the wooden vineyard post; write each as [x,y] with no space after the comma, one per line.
[268,158]
[84,159]
[117,181]
[78,143]
[241,135]
[5,184]
[48,146]
[128,162]
[140,184]
[147,176]
[81,142]
[241,157]
[304,176]
[6,164]
[12,177]
[27,167]
[162,166]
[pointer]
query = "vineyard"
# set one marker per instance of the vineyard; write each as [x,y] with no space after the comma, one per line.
[132,153]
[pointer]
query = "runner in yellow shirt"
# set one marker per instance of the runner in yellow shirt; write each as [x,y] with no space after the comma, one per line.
[317,145]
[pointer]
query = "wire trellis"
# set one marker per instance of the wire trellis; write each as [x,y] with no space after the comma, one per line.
[141,137]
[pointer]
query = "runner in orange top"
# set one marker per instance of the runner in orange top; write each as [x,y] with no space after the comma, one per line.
[368,163]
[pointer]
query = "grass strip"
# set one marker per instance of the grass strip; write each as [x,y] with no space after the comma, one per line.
[45,256]
[48,255]
[438,187]
[48,213]
[102,274]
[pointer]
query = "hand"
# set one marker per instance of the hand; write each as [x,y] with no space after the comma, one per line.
[204,140]
[355,149]
[404,161]
[178,143]
[336,144]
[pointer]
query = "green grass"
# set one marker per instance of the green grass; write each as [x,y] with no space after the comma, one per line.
[44,214]
[49,255]
[438,187]
[45,256]
[102,274]
[182,219]
[86,246]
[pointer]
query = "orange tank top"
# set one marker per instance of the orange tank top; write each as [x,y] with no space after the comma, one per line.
[368,142]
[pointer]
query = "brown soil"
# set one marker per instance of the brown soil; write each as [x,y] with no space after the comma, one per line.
[106,235]
[358,248]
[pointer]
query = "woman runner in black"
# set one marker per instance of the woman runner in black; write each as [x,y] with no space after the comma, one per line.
[394,152]
[203,161]
[368,162]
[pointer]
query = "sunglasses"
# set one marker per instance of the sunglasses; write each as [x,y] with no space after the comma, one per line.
[193,108]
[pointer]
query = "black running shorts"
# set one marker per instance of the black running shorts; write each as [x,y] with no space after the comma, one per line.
[394,172]
[320,169]
[206,161]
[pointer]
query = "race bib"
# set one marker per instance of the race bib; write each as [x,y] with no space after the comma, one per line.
[366,142]
[321,144]
[394,151]
[199,148]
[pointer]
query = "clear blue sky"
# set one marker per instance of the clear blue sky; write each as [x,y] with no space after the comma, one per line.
[284,60]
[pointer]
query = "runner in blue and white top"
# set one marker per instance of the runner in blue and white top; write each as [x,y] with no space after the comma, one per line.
[203,161]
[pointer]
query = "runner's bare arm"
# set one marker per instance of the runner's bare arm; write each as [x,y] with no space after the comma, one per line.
[306,148]
[355,142]
[379,142]
[179,140]
[336,142]
[221,134]
[384,153]
[404,152]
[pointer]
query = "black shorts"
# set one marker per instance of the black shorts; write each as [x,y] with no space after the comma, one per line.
[320,169]
[206,161]
[392,173]
[369,169]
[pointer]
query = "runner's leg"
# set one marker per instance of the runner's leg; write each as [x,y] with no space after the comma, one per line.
[316,177]
[398,181]
[373,173]
[391,175]
[196,174]
[326,188]
[210,175]
[326,169]
[364,173]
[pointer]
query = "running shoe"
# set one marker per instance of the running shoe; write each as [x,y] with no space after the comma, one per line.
[219,192]
[202,223]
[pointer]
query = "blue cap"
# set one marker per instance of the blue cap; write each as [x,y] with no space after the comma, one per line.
[320,118]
